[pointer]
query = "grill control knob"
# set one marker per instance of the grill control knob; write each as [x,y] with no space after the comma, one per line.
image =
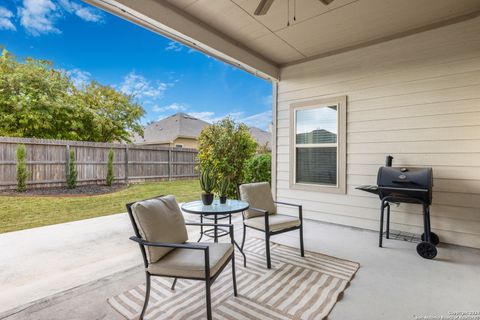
[403,169]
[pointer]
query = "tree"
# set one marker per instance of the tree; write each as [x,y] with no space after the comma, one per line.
[110,175]
[72,171]
[223,148]
[39,101]
[107,115]
[258,168]
[22,173]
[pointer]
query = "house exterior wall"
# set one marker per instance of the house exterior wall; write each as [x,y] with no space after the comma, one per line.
[187,143]
[416,98]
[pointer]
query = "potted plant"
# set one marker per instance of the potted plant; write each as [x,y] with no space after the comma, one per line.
[207,184]
[223,187]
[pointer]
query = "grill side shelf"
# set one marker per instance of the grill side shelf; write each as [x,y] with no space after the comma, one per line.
[368,188]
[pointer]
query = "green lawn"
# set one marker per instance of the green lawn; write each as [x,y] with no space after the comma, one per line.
[24,212]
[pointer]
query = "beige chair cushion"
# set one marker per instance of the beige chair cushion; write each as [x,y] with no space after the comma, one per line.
[276,222]
[191,263]
[258,195]
[160,220]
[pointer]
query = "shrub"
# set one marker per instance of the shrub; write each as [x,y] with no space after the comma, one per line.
[224,147]
[22,173]
[72,171]
[110,175]
[259,168]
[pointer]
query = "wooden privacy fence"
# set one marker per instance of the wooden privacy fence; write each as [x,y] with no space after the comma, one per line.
[47,162]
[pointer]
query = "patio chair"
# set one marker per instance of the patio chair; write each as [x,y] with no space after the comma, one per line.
[262,215]
[161,233]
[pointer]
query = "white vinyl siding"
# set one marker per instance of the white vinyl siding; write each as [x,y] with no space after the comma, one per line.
[417,98]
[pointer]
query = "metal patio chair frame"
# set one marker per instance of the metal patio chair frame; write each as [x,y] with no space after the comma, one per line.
[191,246]
[269,233]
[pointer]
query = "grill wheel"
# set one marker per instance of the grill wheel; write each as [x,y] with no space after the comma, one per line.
[427,250]
[433,238]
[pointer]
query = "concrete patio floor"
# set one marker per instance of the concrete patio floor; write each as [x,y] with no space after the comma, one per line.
[392,283]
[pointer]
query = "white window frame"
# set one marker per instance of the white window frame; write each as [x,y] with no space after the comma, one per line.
[341,103]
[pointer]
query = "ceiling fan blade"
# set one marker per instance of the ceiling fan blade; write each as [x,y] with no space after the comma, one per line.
[263,7]
[326,2]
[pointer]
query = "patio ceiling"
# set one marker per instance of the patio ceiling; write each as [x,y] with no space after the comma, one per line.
[229,30]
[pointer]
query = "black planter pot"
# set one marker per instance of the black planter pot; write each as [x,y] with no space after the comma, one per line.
[223,199]
[207,198]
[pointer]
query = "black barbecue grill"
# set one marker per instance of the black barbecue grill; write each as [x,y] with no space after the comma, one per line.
[406,185]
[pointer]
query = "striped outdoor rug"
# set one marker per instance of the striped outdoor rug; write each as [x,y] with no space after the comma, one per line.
[295,288]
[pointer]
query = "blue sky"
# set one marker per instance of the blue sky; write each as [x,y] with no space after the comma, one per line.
[165,76]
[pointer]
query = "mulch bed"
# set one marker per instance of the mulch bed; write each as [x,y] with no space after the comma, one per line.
[87,190]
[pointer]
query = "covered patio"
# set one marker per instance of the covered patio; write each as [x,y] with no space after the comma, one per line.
[391,283]
[353,81]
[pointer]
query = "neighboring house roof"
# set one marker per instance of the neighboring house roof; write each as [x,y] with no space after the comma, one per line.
[182,125]
[179,125]
[261,136]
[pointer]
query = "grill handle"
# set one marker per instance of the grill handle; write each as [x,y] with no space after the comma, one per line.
[404,181]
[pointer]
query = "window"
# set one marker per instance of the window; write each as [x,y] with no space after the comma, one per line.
[318,145]
[179,146]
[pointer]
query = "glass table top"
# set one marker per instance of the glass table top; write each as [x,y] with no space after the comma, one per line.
[232,206]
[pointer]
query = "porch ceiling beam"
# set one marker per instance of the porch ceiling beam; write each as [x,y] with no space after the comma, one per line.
[163,18]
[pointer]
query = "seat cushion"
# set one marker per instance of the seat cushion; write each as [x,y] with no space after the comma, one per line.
[160,220]
[191,263]
[276,222]
[258,195]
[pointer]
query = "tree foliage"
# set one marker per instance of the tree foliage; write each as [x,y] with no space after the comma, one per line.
[258,169]
[22,173]
[39,101]
[110,175]
[72,170]
[223,148]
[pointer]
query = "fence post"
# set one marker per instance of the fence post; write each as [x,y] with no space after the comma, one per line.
[67,161]
[169,164]
[126,164]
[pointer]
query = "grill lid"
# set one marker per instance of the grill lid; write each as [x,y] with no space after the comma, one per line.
[406,184]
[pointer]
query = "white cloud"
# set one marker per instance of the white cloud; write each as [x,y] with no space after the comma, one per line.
[174,46]
[177,47]
[39,16]
[171,107]
[138,86]
[207,116]
[79,77]
[85,13]
[6,17]
[261,120]
[211,117]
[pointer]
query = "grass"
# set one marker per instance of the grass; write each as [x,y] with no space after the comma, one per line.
[24,212]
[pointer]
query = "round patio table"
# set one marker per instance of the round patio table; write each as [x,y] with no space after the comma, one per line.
[216,211]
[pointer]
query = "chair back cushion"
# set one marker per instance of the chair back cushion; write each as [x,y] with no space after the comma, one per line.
[159,220]
[258,195]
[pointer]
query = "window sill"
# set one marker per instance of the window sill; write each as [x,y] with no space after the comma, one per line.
[318,188]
